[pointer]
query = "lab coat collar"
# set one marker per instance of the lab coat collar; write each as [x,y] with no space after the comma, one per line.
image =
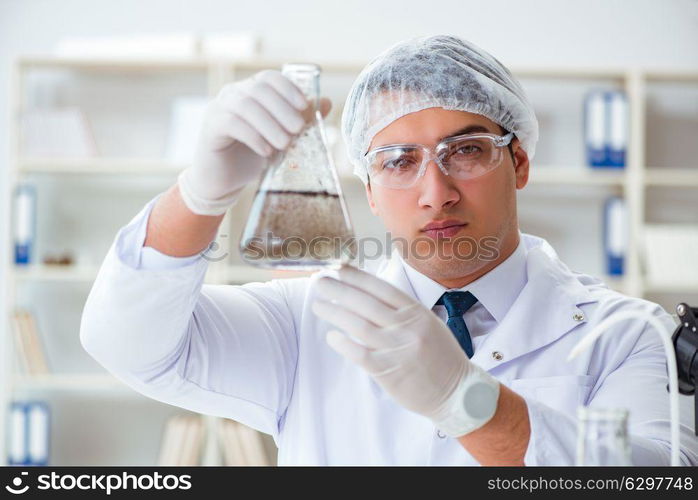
[545,310]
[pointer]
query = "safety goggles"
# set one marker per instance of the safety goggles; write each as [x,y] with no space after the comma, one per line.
[462,157]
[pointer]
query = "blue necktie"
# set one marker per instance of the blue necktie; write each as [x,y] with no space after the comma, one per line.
[456,304]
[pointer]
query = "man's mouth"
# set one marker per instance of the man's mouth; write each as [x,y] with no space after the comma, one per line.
[444,228]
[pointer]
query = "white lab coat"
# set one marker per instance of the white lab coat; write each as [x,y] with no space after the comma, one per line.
[256,353]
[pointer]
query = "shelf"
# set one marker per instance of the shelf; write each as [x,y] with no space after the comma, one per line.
[676,177]
[671,75]
[174,64]
[672,177]
[618,283]
[116,166]
[143,64]
[43,272]
[85,274]
[99,166]
[258,63]
[671,287]
[576,176]
[236,274]
[69,382]
[111,166]
[246,274]
[577,73]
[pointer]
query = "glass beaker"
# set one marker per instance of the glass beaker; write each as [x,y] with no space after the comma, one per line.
[602,436]
[299,219]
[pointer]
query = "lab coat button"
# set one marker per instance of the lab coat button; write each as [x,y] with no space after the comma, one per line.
[578,316]
[497,355]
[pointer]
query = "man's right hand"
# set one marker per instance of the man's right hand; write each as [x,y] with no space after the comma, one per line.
[247,123]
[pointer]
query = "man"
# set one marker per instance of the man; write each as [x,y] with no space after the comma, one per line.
[436,357]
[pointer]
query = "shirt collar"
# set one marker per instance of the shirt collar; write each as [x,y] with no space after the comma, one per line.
[496,291]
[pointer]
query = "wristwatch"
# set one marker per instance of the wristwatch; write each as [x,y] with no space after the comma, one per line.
[472,404]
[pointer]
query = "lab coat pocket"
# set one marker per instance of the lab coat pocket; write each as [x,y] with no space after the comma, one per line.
[562,392]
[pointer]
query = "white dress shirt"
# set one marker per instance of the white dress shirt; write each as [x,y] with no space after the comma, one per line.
[495,291]
[256,353]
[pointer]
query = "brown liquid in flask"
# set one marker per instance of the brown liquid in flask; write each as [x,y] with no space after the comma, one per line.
[299,219]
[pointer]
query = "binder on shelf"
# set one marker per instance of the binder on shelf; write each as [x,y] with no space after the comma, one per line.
[233,452]
[193,441]
[25,223]
[253,446]
[595,128]
[242,445]
[28,433]
[168,444]
[606,128]
[615,235]
[617,116]
[17,435]
[39,432]
[183,441]
[29,349]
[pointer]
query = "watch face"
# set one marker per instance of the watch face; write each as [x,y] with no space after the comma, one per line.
[480,400]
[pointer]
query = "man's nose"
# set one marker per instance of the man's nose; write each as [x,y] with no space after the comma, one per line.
[437,189]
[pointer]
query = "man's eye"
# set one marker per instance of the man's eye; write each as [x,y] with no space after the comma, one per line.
[468,150]
[401,163]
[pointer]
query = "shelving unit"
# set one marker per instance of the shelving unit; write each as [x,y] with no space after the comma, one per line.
[99,166]
[79,382]
[550,176]
[672,177]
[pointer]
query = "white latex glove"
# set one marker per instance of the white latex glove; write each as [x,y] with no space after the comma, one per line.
[246,124]
[407,349]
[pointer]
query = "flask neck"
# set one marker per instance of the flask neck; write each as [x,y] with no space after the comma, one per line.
[307,79]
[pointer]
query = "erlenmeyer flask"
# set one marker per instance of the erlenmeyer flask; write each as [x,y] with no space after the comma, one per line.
[299,219]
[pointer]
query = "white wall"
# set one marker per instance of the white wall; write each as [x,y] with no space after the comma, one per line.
[534,32]
[645,33]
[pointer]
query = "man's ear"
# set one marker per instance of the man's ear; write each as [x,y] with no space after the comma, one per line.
[522,165]
[371,201]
